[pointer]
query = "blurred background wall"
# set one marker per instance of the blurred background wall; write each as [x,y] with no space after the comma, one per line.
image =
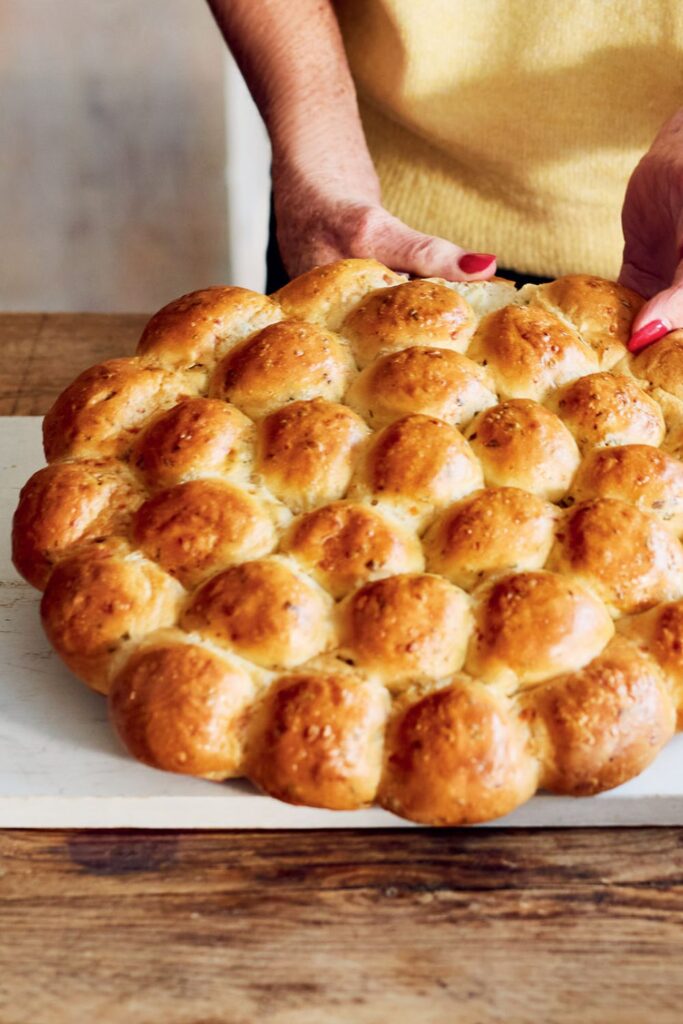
[132,164]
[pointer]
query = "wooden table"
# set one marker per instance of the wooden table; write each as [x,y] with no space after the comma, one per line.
[320,927]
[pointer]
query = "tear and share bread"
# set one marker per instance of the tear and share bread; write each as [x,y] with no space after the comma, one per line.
[369,540]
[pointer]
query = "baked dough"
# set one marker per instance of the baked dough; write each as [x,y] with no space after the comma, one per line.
[375,540]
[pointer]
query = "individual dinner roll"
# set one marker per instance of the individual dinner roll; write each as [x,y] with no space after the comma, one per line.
[637,473]
[344,544]
[484,296]
[627,557]
[605,409]
[182,707]
[306,450]
[659,632]
[201,526]
[415,313]
[532,625]
[317,739]
[602,312]
[326,294]
[101,412]
[529,352]
[672,411]
[456,756]
[522,444]
[67,504]
[406,627]
[598,727]
[662,364]
[197,437]
[199,328]
[498,529]
[98,602]
[287,362]
[417,464]
[432,381]
[264,610]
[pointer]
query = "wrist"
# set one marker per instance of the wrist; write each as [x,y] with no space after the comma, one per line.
[318,163]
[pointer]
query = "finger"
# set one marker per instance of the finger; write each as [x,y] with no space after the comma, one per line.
[426,256]
[662,314]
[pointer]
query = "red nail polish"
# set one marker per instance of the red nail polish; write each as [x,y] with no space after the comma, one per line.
[475,262]
[651,332]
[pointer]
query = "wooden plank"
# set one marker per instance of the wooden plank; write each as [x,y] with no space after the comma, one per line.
[319,927]
[42,353]
[112,178]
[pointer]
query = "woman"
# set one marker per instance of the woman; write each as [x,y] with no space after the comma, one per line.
[503,122]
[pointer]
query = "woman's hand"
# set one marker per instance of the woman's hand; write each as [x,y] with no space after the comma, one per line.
[327,197]
[652,219]
[318,222]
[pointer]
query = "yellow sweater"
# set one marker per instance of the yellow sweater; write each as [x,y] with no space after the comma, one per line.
[511,126]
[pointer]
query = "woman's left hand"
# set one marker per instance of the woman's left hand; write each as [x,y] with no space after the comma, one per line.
[652,219]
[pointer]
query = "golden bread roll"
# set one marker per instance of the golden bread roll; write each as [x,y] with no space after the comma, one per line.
[456,756]
[532,625]
[264,611]
[417,464]
[183,708]
[659,631]
[600,726]
[483,296]
[522,444]
[368,540]
[626,556]
[201,526]
[67,504]
[344,544]
[406,627]
[662,364]
[601,312]
[198,437]
[94,605]
[305,452]
[199,328]
[496,530]
[530,352]
[101,413]
[414,313]
[326,294]
[637,473]
[431,381]
[604,409]
[672,411]
[317,739]
[287,362]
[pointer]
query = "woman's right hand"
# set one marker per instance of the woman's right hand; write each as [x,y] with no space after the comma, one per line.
[327,196]
[318,224]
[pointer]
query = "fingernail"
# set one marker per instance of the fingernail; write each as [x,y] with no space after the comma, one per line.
[475,262]
[651,332]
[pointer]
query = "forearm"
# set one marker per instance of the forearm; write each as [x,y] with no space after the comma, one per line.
[292,57]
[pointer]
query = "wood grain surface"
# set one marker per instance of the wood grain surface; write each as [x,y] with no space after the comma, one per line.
[434,927]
